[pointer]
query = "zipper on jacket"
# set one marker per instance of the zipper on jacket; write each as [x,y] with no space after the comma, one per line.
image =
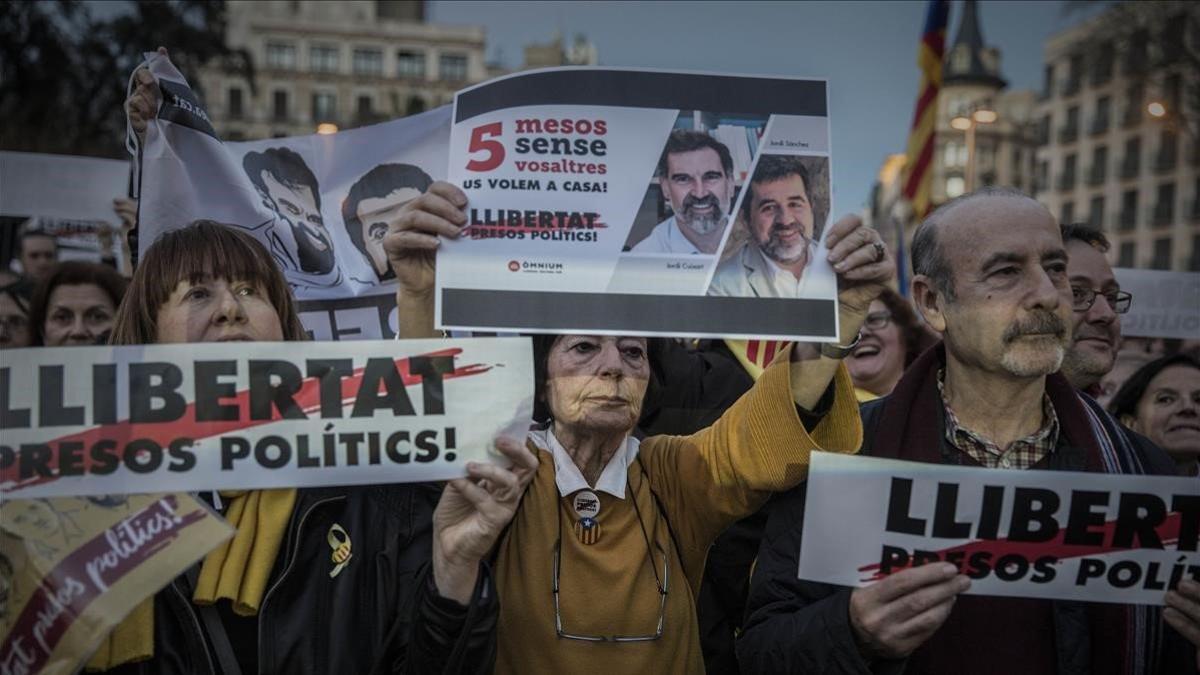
[187,605]
[291,560]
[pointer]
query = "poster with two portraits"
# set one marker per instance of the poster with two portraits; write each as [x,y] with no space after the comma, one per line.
[320,204]
[647,202]
[600,200]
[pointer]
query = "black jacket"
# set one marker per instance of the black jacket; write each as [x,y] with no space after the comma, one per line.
[796,626]
[380,613]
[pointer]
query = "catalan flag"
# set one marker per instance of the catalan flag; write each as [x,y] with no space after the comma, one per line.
[918,169]
[756,355]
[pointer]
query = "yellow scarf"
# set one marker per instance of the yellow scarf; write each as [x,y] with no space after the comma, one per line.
[237,571]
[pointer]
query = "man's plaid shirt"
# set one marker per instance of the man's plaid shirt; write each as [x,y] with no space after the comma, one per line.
[1020,454]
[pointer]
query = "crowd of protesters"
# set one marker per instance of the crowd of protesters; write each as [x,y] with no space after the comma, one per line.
[698,467]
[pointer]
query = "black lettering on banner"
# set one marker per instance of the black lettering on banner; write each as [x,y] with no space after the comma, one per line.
[7,456]
[143,392]
[979,564]
[391,446]
[1044,569]
[1011,567]
[10,418]
[262,452]
[351,441]
[303,460]
[944,524]
[52,411]
[432,370]
[1137,517]
[143,455]
[104,457]
[428,446]
[1188,507]
[990,511]
[1089,568]
[70,458]
[233,448]
[1124,574]
[35,460]
[265,393]
[104,393]
[182,457]
[893,558]
[210,390]
[1033,506]
[899,502]
[1082,517]
[394,397]
[329,374]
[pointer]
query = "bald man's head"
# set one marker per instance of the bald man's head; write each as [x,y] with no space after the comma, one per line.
[929,241]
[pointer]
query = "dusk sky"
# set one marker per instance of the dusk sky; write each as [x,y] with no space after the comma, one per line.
[867,51]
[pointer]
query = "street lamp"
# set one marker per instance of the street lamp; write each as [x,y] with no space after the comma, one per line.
[327,128]
[1156,109]
[966,121]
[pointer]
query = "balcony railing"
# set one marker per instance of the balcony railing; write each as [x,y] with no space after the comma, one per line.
[1068,134]
[1096,174]
[1072,86]
[1131,116]
[1065,182]
[1099,125]
[1194,212]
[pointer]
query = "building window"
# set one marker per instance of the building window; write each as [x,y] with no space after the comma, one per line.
[1048,81]
[1066,180]
[368,62]
[1194,263]
[280,55]
[955,186]
[1096,212]
[1125,256]
[1067,215]
[1098,172]
[279,105]
[1162,254]
[1129,206]
[324,107]
[1103,110]
[415,105]
[452,67]
[324,59]
[1164,205]
[236,109]
[410,64]
[1131,162]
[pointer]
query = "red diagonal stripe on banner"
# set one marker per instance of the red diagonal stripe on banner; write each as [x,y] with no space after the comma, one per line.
[307,399]
[752,350]
[914,178]
[928,97]
[1168,533]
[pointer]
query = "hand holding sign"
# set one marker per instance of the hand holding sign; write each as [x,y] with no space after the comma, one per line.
[412,238]
[895,616]
[142,104]
[471,515]
[1183,613]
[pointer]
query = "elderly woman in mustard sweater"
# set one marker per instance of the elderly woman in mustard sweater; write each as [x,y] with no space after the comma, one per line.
[601,564]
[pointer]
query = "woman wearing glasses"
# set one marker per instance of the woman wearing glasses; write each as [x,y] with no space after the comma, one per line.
[892,338]
[601,564]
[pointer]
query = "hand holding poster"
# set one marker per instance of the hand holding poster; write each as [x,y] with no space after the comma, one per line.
[72,568]
[255,415]
[1042,534]
[641,202]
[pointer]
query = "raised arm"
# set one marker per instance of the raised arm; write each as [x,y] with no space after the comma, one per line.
[411,244]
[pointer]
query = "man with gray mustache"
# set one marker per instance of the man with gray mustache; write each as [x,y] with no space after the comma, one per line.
[990,276]
[695,174]
[779,215]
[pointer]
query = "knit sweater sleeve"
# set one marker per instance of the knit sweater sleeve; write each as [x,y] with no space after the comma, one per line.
[710,479]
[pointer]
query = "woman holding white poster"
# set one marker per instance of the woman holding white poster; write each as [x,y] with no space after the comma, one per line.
[603,560]
[356,579]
